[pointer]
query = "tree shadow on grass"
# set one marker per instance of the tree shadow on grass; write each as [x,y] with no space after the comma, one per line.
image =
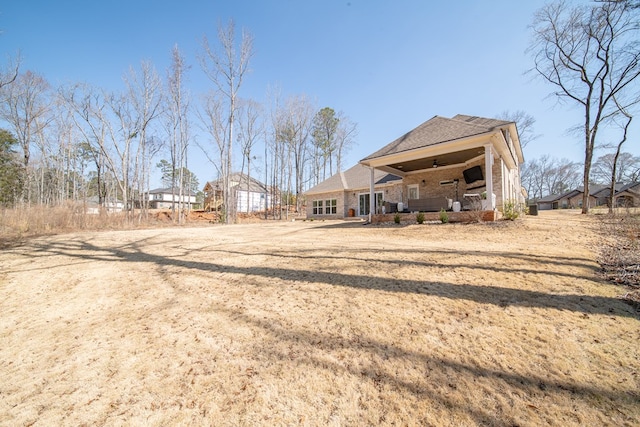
[439,371]
[484,294]
[490,259]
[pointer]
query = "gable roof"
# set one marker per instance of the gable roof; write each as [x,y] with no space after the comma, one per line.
[595,190]
[356,177]
[438,130]
[239,182]
[555,197]
[630,187]
[168,190]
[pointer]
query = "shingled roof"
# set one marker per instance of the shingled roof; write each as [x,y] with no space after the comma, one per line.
[438,130]
[355,177]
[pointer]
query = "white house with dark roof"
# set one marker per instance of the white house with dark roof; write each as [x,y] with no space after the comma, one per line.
[165,198]
[247,193]
[444,163]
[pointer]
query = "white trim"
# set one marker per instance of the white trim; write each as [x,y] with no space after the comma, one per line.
[367,193]
[431,150]
[488,172]
[409,187]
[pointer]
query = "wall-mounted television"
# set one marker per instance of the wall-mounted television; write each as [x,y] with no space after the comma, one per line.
[472,174]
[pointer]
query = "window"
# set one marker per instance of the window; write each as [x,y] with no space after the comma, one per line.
[363,203]
[331,207]
[325,207]
[412,191]
[317,207]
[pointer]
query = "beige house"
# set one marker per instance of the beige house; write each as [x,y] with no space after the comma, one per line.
[458,164]
[626,195]
[346,194]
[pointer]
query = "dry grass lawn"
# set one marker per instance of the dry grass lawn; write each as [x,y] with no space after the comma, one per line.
[318,323]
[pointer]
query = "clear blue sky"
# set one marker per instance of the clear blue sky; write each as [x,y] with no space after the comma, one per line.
[388,65]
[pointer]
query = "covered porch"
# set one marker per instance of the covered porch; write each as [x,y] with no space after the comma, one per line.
[467,166]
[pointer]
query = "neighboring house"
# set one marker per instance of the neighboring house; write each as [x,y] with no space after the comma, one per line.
[627,195]
[93,207]
[249,194]
[347,193]
[568,200]
[442,164]
[166,198]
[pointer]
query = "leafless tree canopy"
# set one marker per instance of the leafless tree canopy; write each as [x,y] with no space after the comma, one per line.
[10,73]
[524,122]
[546,175]
[77,142]
[226,68]
[628,168]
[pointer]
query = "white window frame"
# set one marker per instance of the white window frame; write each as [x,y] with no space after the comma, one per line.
[376,199]
[411,187]
[331,207]
[318,207]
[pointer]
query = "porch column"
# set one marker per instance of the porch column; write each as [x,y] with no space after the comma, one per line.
[488,171]
[371,196]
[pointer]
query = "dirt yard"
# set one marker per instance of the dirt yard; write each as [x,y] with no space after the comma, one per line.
[316,324]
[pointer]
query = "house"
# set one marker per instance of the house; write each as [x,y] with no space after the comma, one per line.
[627,195]
[445,163]
[110,206]
[567,200]
[166,198]
[250,195]
[346,194]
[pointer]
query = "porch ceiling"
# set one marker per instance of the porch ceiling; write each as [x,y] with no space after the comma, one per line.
[441,160]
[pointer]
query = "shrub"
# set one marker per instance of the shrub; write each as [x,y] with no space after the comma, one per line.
[511,210]
[444,216]
[420,217]
[396,218]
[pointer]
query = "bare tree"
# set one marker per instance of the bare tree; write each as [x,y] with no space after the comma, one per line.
[25,108]
[524,122]
[590,55]
[110,126]
[177,126]
[294,129]
[345,138]
[144,92]
[251,127]
[275,147]
[226,68]
[627,166]
[10,73]
[612,185]
[211,117]
[546,175]
[88,113]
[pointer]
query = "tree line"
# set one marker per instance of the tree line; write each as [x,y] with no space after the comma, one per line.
[547,175]
[77,142]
